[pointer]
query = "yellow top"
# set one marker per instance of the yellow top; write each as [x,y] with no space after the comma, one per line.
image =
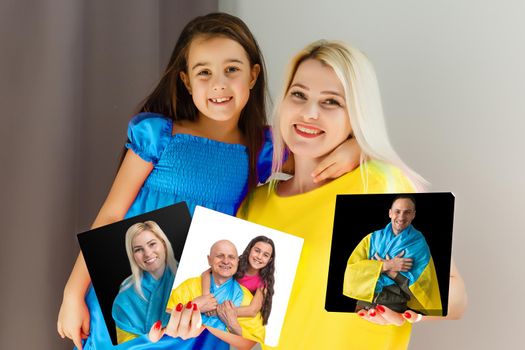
[310,215]
[252,327]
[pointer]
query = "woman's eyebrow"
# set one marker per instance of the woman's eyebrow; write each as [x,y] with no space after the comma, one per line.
[325,92]
[330,92]
[302,86]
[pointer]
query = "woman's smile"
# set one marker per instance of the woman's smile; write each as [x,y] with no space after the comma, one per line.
[313,115]
[151,260]
[308,131]
[149,253]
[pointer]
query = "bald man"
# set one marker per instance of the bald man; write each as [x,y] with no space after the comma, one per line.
[225,293]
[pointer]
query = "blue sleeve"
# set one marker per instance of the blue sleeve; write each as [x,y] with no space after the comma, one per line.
[148,135]
[264,161]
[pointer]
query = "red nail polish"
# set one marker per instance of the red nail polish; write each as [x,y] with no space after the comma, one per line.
[157,325]
[194,307]
[361,313]
[372,313]
[380,309]
[188,305]
[407,315]
[179,307]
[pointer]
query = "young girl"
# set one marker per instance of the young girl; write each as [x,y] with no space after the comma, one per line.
[200,137]
[256,273]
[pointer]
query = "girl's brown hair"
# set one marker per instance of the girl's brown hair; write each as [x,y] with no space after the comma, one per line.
[171,98]
[266,273]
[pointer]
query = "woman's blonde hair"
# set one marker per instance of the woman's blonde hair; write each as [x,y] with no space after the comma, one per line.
[136,272]
[363,101]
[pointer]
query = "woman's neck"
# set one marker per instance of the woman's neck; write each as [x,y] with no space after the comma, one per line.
[302,181]
[158,273]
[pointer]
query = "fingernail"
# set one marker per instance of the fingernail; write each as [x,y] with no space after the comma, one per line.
[157,325]
[407,315]
[361,313]
[194,307]
[188,305]
[372,313]
[179,307]
[380,309]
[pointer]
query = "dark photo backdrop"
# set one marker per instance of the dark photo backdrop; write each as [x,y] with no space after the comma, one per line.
[105,252]
[358,215]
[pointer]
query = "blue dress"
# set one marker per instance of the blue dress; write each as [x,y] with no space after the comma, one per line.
[186,168]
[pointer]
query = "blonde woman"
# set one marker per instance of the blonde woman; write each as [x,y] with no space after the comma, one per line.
[141,303]
[331,95]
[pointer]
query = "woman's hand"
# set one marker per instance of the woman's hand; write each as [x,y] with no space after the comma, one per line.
[384,316]
[185,321]
[342,160]
[73,320]
[156,332]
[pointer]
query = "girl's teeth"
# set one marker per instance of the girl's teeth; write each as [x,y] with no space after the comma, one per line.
[219,100]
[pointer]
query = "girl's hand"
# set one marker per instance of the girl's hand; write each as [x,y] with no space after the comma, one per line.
[206,303]
[384,316]
[211,313]
[73,320]
[185,321]
[342,160]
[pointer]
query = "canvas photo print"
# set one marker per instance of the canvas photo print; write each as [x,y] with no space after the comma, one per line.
[248,269]
[391,250]
[132,264]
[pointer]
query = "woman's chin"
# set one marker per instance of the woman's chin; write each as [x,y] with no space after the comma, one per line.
[311,153]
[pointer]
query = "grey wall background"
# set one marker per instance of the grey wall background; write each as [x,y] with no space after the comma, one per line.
[71,76]
[451,75]
[72,73]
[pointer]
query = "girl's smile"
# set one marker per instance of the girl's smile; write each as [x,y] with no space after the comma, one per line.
[260,255]
[219,77]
